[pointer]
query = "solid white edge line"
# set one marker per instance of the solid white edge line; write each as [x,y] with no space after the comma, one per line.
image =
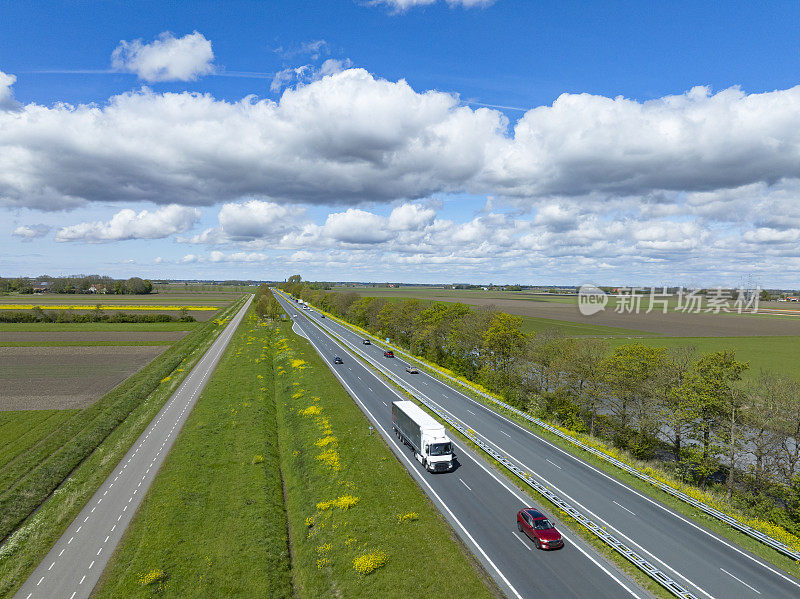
[402,454]
[611,478]
[591,558]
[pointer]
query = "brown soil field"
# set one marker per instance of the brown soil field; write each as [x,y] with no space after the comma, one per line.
[45,378]
[89,337]
[672,324]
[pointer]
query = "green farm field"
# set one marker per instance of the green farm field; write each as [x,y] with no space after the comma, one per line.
[777,354]
[261,497]
[169,298]
[102,327]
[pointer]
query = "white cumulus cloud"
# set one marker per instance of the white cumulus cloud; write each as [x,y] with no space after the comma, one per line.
[166,58]
[31,232]
[128,224]
[7,101]
[403,5]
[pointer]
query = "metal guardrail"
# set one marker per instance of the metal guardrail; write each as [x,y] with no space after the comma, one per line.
[609,539]
[711,511]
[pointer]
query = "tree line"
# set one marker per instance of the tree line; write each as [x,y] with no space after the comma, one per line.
[265,305]
[76,284]
[696,413]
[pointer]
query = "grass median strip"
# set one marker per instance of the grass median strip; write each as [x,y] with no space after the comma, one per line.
[275,488]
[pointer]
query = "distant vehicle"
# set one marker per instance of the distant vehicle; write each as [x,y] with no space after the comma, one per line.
[337,360]
[411,370]
[416,428]
[388,354]
[539,529]
[322,316]
[366,342]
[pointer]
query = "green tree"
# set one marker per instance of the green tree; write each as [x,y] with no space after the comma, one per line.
[585,367]
[137,286]
[261,307]
[766,396]
[710,384]
[502,341]
[677,410]
[630,375]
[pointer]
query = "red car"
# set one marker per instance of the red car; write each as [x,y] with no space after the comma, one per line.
[536,525]
[388,354]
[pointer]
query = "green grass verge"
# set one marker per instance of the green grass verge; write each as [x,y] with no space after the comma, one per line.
[329,456]
[59,474]
[215,519]
[62,327]
[19,430]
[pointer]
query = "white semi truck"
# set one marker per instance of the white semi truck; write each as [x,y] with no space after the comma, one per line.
[432,448]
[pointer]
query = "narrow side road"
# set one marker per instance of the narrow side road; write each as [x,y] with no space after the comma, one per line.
[75,562]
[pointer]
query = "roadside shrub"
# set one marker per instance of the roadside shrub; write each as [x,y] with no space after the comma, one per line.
[369,562]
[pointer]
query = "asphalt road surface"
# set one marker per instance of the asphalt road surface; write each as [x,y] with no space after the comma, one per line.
[75,562]
[480,504]
[706,564]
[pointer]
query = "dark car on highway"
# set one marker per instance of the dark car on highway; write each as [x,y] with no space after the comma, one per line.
[337,360]
[366,342]
[539,529]
[388,354]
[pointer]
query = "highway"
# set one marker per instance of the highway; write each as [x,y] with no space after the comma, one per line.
[74,564]
[706,564]
[479,503]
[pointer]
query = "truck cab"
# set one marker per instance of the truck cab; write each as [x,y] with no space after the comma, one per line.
[438,456]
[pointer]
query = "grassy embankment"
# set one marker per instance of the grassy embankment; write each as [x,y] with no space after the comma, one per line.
[78,452]
[274,487]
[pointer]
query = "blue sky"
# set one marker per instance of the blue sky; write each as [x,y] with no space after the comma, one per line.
[532,142]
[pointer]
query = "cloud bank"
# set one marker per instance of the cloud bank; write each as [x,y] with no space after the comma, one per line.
[350,137]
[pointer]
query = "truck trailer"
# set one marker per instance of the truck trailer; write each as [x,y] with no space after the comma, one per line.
[432,447]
